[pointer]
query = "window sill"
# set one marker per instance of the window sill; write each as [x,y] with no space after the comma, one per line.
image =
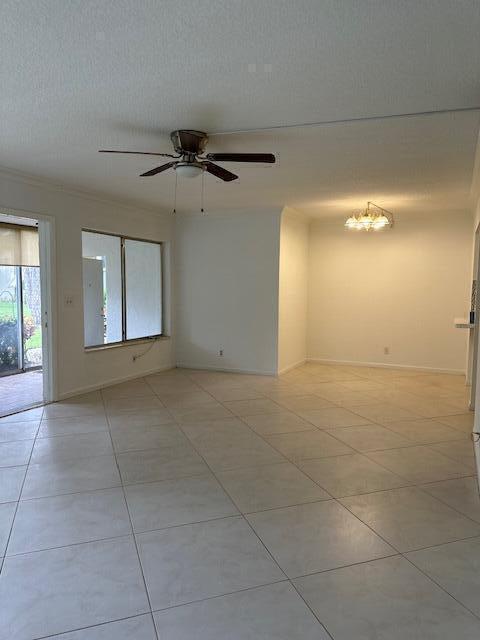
[127,343]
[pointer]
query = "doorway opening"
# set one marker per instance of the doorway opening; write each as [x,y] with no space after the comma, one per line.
[22,316]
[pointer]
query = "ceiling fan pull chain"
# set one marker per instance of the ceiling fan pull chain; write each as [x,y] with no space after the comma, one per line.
[175,196]
[202,210]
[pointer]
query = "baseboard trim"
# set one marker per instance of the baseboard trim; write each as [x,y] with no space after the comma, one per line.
[112,383]
[255,372]
[292,366]
[184,365]
[382,365]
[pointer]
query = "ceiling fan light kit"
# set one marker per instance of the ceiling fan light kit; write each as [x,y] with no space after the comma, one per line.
[372,218]
[191,161]
[189,169]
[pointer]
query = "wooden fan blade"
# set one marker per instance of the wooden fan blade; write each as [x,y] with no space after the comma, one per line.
[138,153]
[162,167]
[219,172]
[242,157]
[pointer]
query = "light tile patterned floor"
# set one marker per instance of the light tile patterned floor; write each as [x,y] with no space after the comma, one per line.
[331,503]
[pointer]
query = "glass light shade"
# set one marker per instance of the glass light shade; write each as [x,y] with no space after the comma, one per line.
[381,222]
[351,223]
[367,221]
[189,169]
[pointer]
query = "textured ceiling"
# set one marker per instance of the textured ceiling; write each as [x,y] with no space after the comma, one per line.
[79,75]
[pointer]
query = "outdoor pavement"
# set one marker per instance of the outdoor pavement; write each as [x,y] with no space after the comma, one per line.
[20,391]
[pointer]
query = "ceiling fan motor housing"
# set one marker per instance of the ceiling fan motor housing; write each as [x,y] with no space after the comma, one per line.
[189,142]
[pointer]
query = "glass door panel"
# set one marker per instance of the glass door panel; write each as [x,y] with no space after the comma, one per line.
[32,316]
[10,321]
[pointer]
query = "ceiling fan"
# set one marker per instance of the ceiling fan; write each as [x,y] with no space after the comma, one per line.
[191,161]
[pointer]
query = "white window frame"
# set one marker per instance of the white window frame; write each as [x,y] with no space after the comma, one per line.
[124,339]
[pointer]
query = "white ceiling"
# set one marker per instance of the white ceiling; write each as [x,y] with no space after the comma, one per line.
[80,75]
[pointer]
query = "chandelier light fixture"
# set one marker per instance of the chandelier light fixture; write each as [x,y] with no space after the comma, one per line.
[372,218]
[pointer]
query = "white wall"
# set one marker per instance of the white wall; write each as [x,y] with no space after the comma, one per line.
[78,370]
[293,290]
[227,290]
[399,289]
[270,291]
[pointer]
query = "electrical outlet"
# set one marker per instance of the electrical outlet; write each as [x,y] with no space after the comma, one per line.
[220,353]
[68,300]
[386,351]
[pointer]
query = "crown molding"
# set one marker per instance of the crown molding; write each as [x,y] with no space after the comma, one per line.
[94,196]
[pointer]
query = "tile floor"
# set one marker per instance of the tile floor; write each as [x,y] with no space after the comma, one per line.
[331,503]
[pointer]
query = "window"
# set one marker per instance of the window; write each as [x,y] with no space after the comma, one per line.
[122,288]
[143,289]
[102,288]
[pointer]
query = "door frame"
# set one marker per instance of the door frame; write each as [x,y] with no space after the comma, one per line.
[472,356]
[46,241]
[475,391]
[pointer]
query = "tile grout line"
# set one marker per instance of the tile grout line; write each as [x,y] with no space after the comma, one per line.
[375,532]
[93,626]
[356,451]
[404,556]
[222,595]
[233,515]
[409,483]
[240,515]
[259,538]
[333,435]
[27,466]
[315,430]
[130,520]
[253,531]
[300,595]
[367,455]
[425,445]
[37,405]
[421,488]
[440,586]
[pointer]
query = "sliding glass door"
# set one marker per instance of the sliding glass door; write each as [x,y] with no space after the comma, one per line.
[10,321]
[32,317]
[20,319]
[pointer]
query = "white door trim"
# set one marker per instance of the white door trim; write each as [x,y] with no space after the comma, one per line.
[475,392]
[46,239]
